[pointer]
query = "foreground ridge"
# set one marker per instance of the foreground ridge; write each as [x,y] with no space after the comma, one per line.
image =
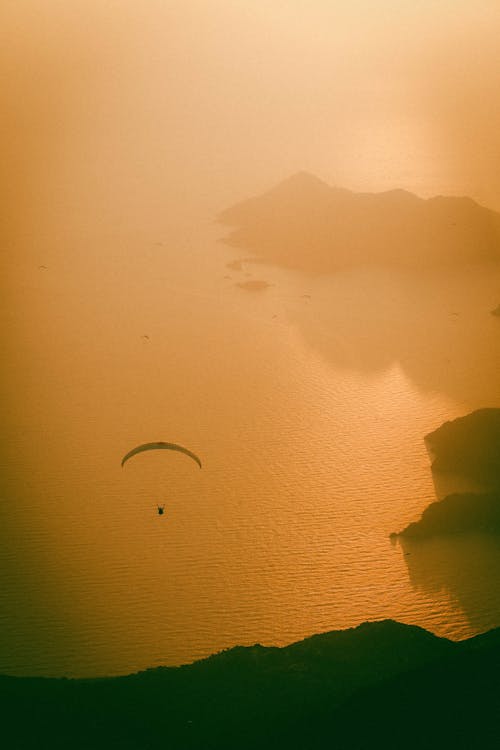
[375,683]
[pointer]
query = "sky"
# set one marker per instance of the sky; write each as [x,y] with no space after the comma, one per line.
[115,111]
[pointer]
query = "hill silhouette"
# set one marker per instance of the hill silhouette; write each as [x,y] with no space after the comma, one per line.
[378,685]
[304,223]
[458,513]
[469,446]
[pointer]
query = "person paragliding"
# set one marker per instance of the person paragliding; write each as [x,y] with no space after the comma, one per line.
[160,445]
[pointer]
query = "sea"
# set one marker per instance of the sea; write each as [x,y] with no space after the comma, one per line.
[307,398]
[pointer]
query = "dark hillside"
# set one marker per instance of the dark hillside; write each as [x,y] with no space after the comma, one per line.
[353,688]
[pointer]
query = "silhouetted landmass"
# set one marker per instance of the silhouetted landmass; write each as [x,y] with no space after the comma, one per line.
[379,685]
[457,513]
[305,223]
[254,285]
[496,311]
[469,446]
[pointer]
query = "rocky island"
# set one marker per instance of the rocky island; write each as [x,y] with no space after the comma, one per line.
[253,285]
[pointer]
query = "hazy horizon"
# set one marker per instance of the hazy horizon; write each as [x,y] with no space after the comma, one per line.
[114,114]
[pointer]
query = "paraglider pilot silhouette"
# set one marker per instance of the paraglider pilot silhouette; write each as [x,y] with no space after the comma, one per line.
[160,446]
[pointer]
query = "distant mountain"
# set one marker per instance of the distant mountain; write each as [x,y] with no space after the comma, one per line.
[381,684]
[304,223]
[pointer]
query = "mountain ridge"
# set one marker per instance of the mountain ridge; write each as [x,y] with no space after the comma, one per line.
[304,223]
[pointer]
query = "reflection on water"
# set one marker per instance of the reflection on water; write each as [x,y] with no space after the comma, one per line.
[307,403]
[436,326]
[466,566]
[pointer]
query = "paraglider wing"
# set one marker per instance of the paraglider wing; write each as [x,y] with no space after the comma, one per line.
[160,446]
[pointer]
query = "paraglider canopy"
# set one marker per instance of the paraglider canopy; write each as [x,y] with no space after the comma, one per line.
[160,446]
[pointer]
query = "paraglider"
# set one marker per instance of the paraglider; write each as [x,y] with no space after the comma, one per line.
[159,446]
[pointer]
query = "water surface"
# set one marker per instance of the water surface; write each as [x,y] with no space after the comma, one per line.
[308,402]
